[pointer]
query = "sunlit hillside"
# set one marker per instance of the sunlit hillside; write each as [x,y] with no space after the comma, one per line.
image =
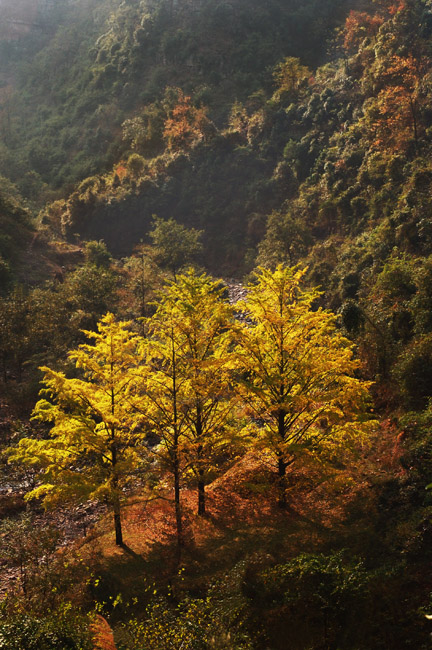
[215,324]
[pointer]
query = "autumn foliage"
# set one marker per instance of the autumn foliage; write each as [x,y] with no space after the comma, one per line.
[185,125]
[185,386]
[394,115]
[297,371]
[92,448]
[121,171]
[358,26]
[103,638]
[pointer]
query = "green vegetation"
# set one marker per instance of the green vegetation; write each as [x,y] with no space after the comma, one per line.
[74,80]
[262,443]
[60,629]
[16,233]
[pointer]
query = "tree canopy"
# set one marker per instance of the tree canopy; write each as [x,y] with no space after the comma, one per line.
[297,370]
[93,441]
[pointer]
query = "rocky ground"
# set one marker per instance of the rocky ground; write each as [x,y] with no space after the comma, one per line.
[71,522]
[236,291]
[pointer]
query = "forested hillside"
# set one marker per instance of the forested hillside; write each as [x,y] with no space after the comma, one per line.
[87,66]
[215,324]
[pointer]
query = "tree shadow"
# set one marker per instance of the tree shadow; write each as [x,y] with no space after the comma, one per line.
[127,549]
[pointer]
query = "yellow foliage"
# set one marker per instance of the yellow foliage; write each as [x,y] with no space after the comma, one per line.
[187,373]
[297,370]
[92,445]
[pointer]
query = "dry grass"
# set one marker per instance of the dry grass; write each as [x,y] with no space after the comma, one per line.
[242,519]
[103,637]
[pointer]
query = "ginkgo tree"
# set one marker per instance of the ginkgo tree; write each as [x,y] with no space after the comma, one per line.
[186,375]
[205,320]
[93,444]
[160,390]
[296,370]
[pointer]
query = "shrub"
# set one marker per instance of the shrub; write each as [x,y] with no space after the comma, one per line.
[62,629]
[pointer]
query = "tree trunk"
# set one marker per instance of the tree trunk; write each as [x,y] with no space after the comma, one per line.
[200,471]
[114,490]
[177,506]
[118,526]
[201,494]
[414,121]
[282,465]
[176,459]
[178,515]
[117,513]
[5,378]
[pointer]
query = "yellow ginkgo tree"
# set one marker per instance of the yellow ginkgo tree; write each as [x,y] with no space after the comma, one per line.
[93,444]
[186,372]
[204,323]
[160,391]
[296,370]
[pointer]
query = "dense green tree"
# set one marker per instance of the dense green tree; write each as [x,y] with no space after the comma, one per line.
[91,291]
[97,254]
[175,245]
[285,242]
[143,278]
[290,75]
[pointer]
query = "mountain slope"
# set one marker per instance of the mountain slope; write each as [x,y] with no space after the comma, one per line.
[96,62]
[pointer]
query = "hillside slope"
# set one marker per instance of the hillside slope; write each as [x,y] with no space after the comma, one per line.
[86,66]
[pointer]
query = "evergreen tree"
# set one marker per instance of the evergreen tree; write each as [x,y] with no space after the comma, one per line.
[176,246]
